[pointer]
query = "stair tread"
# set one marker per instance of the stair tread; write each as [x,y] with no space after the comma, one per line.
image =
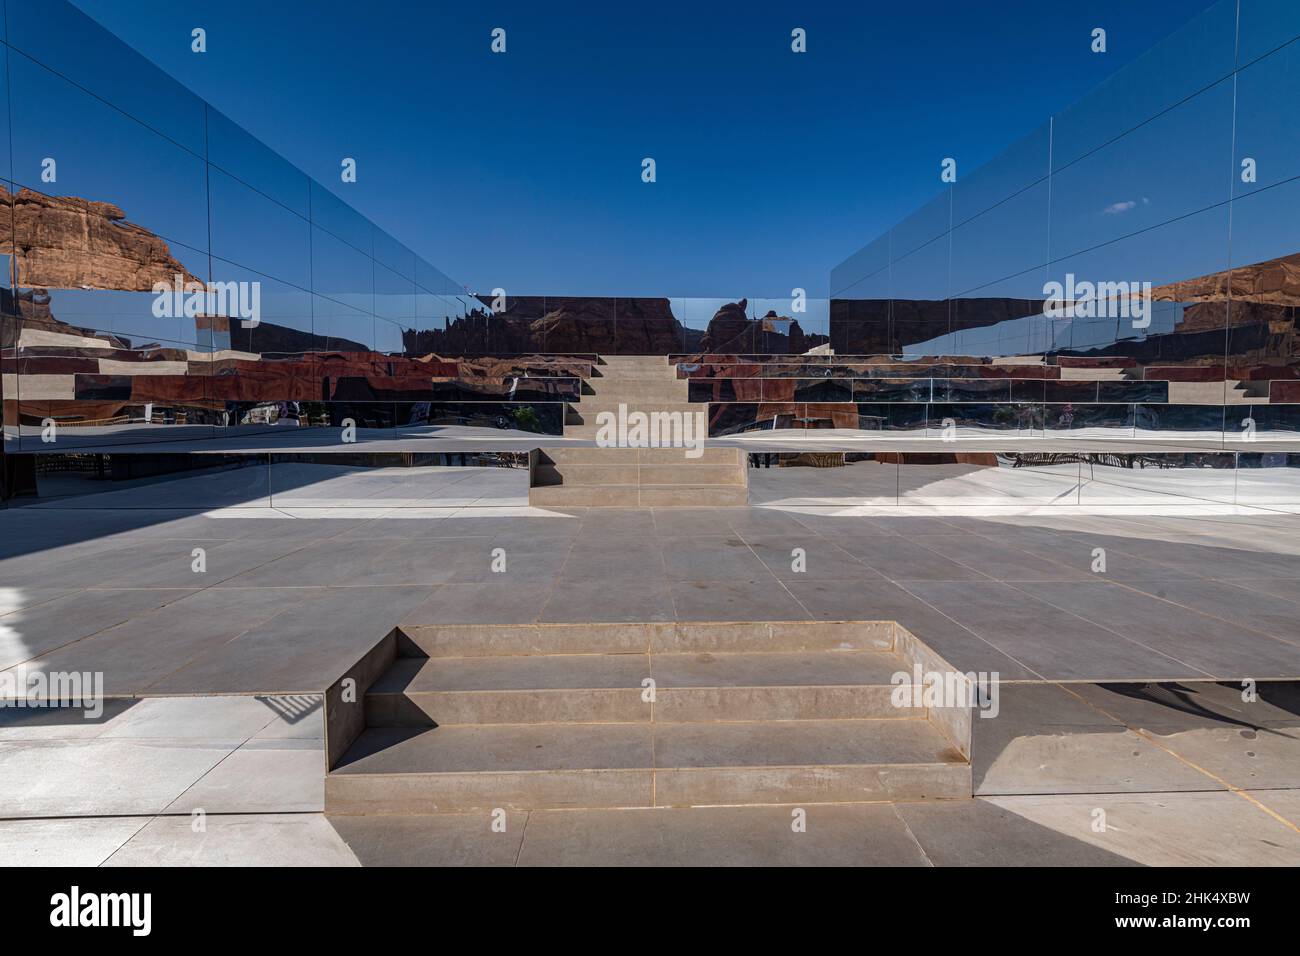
[523,748]
[600,671]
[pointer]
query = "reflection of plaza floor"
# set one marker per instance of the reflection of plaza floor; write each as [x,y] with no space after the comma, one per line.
[963,486]
[304,485]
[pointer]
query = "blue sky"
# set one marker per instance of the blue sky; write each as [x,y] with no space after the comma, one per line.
[523,170]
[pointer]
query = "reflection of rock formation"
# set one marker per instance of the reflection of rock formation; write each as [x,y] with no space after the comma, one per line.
[574,324]
[885,327]
[71,243]
[729,330]
[1275,282]
[1263,301]
[732,330]
[1260,300]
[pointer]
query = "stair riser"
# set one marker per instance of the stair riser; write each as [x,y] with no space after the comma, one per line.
[419,709]
[624,705]
[589,430]
[592,409]
[418,793]
[688,473]
[606,390]
[580,475]
[490,640]
[853,784]
[648,456]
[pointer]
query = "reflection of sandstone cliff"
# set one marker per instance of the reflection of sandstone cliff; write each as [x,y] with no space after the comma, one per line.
[71,243]
[729,330]
[1275,282]
[882,327]
[732,331]
[577,324]
[1260,300]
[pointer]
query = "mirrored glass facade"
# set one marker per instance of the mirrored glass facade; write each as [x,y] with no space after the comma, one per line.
[168,278]
[1130,269]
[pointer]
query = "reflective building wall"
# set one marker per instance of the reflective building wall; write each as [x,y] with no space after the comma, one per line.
[286,309]
[1179,175]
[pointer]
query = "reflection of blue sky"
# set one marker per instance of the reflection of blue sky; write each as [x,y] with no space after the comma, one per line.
[1148,204]
[153,171]
[1036,334]
[583,98]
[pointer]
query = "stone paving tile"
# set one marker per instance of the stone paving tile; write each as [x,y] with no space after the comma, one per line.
[1051,642]
[1245,757]
[487,603]
[298,716]
[291,839]
[135,655]
[1103,758]
[267,776]
[982,833]
[1166,829]
[593,599]
[902,560]
[1208,644]
[191,718]
[724,556]
[47,778]
[61,723]
[822,560]
[15,599]
[300,651]
[745,599]
[35,631]
[1194,704]
[1233,602]
[1000,560]
[65,842]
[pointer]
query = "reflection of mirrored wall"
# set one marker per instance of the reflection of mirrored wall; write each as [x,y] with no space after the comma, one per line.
[1016,480]
[1180,174]
[169,278]
[378,481]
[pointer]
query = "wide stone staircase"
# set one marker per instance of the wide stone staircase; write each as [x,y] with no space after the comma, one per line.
[630,477]
[534,717]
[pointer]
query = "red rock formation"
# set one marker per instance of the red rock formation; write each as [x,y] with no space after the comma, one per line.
[71,243]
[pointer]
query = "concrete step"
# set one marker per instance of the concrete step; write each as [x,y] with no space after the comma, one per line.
[630,392]
[589,407]
[585,455]
[639,496]
[684,472]
[608,688]
[635,373]
[542,766]
[588,430]
[650,637]
[689,471]
[856,835]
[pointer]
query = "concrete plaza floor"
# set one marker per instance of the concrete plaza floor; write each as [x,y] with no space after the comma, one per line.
[288,600]
[216,671]
[217,781]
